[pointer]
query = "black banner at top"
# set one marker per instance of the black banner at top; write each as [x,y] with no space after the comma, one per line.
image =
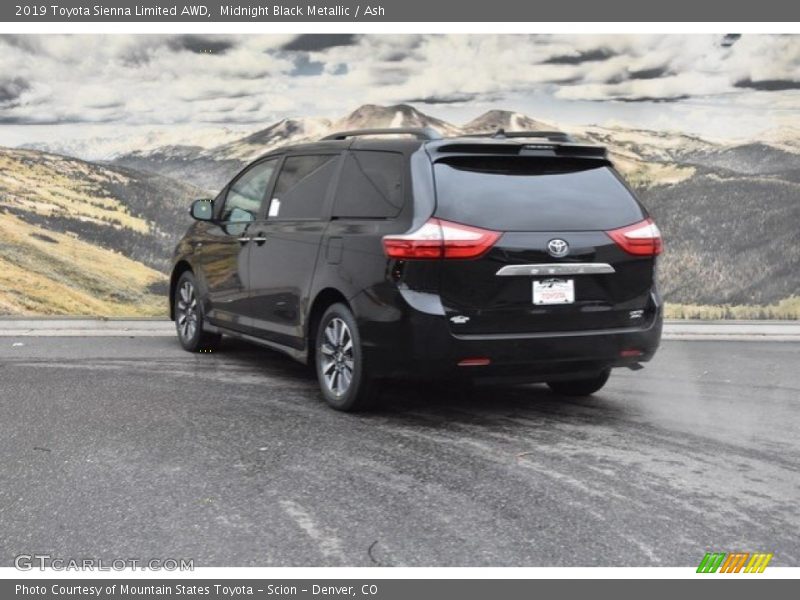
[398,11]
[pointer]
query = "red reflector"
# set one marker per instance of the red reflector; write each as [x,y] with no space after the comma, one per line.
[631,352]
[440,239]
[474,362]
[640,239]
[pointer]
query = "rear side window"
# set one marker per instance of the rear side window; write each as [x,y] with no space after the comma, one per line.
[302,186]
[533,194]
[371,186]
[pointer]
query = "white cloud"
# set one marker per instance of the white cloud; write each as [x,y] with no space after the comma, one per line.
[163,80]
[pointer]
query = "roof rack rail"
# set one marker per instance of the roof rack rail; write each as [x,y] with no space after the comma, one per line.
[555,136]
[421,133]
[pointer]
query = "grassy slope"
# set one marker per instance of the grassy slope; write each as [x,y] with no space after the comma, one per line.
[48,273]
[787,309]
[77,238]
[46,184]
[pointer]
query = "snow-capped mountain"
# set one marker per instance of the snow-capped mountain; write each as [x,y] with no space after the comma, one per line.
[645,157]
[212,167]
[219,162]
[286,131]
[509,121]
[786,138]
[399,115]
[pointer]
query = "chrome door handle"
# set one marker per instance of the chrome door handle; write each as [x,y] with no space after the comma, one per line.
[259,239]
[244,240]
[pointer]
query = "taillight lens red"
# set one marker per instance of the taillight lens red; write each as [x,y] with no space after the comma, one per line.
[640,239]
[440,239]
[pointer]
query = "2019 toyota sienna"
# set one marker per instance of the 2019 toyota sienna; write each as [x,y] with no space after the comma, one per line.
[509,257]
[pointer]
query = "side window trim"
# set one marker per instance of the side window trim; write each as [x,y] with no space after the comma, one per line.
[223,195]
[327,202]
[267,200]
[219,201]
[330,200]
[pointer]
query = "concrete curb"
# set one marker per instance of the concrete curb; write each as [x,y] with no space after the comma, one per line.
[86,327]
[771,331]
[684,337]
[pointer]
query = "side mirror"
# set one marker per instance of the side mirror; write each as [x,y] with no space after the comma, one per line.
[202,210]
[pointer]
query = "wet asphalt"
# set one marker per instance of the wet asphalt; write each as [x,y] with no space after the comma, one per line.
[117,447]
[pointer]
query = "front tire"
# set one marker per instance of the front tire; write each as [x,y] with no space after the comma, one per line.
[580,387]
[189,317]
[340,363]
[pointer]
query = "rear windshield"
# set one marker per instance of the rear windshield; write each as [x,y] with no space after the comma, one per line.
[532,194]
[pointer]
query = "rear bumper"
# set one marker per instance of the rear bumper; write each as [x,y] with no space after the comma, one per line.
[410,343]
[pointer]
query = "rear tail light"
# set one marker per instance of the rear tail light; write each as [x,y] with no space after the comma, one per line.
[440,239]
[628,352]
[474,362]
[640,239]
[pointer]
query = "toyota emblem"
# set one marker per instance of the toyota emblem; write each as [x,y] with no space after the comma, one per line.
[557,248]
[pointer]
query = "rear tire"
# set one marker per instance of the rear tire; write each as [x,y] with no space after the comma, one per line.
[339,362]
[580,387]
[189,317]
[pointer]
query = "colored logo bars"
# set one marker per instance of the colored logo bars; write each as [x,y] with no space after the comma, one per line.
[734,562]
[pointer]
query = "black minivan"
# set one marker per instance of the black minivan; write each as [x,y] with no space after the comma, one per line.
[378,254]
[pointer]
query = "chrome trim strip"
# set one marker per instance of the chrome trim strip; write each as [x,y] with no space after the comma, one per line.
[587,333]
[556,269]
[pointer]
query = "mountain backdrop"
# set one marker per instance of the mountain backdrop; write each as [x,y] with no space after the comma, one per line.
[94,237]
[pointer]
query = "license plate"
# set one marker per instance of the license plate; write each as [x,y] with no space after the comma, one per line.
[554,291]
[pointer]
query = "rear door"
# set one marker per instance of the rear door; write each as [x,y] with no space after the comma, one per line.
[285,244]
[554,268]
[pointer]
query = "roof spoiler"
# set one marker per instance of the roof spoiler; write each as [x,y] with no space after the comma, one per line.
[544,148]
[555,136]
[421,133]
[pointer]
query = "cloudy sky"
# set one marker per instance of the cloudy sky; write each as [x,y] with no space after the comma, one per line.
[66,86]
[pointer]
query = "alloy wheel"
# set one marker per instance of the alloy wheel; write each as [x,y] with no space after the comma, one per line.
[187,311]
[337,357]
